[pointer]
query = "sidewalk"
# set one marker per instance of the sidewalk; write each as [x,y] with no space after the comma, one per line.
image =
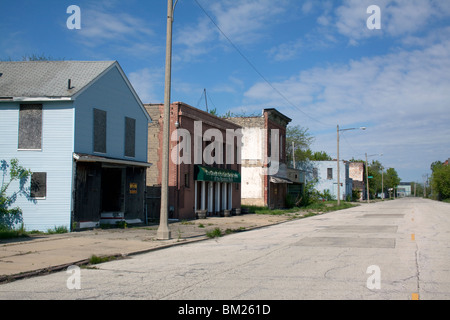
[40,254]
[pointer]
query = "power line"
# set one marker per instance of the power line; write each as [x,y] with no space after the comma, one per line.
[255,69]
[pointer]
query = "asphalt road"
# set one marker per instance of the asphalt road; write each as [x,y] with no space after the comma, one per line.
[387,250]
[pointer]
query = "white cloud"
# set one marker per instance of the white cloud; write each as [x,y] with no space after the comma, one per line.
[149,84]
[243,23]
[402,97]
[398,17]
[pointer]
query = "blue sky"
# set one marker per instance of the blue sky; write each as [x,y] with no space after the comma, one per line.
[315,61]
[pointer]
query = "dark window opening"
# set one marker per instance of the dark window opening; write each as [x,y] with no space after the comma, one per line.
[130,137]
[38,187]
[330,173]
[99,131]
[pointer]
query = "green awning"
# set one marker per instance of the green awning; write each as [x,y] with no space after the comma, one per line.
[216,175]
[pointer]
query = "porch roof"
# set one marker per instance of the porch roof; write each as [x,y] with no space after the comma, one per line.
[80,157]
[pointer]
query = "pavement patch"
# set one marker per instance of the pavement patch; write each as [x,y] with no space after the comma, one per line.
[361,229]
[382,215]
[345,242]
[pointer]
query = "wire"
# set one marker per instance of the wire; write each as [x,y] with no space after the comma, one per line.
[255,69]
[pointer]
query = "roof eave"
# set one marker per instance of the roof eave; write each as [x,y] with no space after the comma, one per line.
[36,99]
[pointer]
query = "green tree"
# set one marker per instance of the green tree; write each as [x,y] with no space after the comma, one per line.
[302,140]
[391,179]
[440,180]
[320,156]
[12,215]
[375,171]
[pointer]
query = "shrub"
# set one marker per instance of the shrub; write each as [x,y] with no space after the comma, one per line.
[9,217]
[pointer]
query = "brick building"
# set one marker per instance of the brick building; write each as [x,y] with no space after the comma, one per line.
[356,173]
[204,171]
[263,160]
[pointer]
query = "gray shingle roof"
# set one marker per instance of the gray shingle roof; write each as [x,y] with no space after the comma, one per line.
[48,78]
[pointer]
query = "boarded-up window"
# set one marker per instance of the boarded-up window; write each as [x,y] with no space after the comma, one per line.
[38,187]
[330,173]
[30,126]
[130,137]
[99,131]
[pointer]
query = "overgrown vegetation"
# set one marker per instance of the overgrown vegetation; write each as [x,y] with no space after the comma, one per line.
[96,259]
[215,233]
[440,181]
[314,208]
[16,176]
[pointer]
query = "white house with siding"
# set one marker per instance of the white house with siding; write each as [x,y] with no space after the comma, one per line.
[80,127]
[326,174]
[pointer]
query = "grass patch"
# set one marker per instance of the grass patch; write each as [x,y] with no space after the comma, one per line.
[96,259]
[58,230]
[230,231]
[11,234]
[6,233]
[317,207]
[214,233]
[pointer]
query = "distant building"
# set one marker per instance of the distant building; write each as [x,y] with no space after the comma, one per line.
[356,173]
[80,127]
[326,174]
[264,171]
[404,189]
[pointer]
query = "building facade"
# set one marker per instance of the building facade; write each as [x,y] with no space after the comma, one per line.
[82,131]
[357,174]
[404,189]
[326,174]
[264,171]
[204,169]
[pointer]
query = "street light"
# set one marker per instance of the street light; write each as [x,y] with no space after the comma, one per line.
[338,169]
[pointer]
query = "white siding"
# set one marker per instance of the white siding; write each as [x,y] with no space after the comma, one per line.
[55,158]
[331,184]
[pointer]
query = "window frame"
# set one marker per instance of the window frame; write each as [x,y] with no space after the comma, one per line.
[22,133]
[44,178]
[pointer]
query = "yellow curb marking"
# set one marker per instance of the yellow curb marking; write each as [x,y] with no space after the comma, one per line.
[415,296]
[413,237]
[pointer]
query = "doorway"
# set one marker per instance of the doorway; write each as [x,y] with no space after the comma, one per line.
[112,190]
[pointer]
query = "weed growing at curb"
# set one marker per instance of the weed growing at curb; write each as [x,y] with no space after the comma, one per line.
[214,233]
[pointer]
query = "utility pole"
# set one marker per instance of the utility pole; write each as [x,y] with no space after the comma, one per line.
[338,171]
[293,154]
[367,179]
[163,232]
[338,166]
[206,100]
